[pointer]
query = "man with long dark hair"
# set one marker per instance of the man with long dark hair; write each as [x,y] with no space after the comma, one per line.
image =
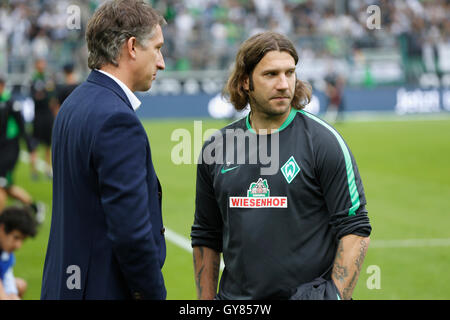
[300,231]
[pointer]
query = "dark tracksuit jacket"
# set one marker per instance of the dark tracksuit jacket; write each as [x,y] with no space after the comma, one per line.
[281,230]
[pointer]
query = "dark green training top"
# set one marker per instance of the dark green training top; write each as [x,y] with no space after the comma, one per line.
[280,230]
[12,124]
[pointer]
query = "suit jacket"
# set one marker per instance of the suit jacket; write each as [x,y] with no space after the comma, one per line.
[107,236]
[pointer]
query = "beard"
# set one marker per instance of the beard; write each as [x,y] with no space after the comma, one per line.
[270,108]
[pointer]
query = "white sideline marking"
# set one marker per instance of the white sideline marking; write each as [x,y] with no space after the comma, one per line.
[409,243]
[183,243]
[178,240]
[170,235]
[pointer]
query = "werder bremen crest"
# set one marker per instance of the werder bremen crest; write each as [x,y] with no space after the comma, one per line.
[290,169]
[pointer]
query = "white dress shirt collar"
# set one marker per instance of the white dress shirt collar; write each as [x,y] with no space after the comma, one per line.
[135,102]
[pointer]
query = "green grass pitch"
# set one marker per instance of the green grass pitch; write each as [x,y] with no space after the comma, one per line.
[405,167]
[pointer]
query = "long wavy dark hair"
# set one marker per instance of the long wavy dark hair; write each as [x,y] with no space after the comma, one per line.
[249,55]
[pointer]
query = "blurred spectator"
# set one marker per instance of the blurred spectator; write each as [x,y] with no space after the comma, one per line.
[16,224]
[65,89]
[204,34]
[40,45]
[329,28]
[334,85]
[43,94]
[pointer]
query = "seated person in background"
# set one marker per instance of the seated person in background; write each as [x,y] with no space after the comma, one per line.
[16,224]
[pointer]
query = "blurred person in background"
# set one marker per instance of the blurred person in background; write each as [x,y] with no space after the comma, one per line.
[42,92]
[16,225]
[12,128]
[65,89]
[217,27]
[335,100]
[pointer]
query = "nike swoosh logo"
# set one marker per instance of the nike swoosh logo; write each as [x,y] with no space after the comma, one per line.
[229,169]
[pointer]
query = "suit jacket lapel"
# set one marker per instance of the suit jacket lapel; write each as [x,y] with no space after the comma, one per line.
[105,81]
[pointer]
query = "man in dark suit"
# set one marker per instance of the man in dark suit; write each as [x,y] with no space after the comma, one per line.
[107,236]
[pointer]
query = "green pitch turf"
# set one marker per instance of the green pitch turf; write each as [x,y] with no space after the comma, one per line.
[405,167]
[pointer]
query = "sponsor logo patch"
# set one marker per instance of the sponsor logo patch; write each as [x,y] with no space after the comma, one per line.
[258,196]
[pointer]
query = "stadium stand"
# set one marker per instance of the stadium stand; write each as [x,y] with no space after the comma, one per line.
[411,45]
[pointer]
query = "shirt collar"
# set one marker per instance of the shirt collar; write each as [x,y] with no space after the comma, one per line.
[135,102]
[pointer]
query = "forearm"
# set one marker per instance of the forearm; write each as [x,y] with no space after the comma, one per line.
[348,262]
[206,269]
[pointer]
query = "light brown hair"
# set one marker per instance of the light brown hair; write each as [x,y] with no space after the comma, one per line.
[113,23]
[249,55]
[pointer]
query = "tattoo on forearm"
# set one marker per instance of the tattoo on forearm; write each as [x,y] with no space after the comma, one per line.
[362,253]
[198,274]
[348,290]
[341,270]
[198,281]
[340,250]
[206,269]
